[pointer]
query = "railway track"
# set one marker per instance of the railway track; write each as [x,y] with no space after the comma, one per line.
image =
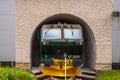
[82,76]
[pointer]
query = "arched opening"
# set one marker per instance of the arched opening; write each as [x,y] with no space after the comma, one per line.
[89,50]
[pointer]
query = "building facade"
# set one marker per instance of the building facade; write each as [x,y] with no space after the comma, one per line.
[7,31]
[99,18]
[115,35]
[95,16]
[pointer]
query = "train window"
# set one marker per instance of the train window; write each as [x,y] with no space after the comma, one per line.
[72,34]
[52,33]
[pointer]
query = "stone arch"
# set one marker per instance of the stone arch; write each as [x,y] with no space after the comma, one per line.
[89,51]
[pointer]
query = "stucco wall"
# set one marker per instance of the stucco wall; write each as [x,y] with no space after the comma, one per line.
[96,13]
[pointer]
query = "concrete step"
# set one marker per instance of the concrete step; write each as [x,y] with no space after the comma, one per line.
[89,73]
[85,77]
[41,76]
[37,73]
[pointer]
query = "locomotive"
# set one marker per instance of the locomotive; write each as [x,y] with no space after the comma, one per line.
[61,49]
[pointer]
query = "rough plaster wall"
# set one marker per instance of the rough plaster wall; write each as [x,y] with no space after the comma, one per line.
[96,13]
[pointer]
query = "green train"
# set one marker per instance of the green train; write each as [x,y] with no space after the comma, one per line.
[61,49]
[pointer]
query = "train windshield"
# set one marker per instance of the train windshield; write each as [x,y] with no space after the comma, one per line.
[72,34]
[52,33]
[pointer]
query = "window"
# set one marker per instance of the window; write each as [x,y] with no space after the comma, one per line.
[52,33]
[72,34]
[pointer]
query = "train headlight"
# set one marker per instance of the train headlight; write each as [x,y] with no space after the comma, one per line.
[78,43]
[42,64]
[46,43]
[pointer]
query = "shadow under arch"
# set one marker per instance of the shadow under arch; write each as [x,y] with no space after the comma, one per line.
[89,50]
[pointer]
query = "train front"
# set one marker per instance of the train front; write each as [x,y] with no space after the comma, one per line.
[61,49]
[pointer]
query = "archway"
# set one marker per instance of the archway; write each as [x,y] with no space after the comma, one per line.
[89,50]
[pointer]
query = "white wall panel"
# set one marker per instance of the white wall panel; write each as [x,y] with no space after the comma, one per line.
[116,5]
[7,6]
[116,39]
[7,30]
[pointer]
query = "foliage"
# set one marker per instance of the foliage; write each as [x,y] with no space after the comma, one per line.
[11,73]
[109,75]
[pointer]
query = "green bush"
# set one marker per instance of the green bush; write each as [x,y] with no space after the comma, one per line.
[109,75]
[11,73]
